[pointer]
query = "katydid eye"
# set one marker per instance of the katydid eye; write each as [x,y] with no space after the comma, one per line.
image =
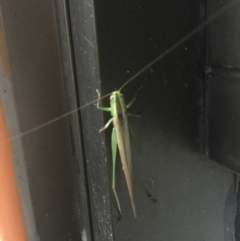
[111,97]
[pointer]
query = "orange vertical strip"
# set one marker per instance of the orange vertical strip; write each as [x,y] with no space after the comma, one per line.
[12,226]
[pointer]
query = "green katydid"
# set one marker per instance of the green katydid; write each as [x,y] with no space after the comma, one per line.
[121,134]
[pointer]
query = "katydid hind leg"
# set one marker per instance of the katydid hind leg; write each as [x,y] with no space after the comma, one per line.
[114,158]
[138,115]
[139,149]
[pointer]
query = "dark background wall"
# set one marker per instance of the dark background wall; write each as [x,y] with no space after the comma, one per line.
[79,47]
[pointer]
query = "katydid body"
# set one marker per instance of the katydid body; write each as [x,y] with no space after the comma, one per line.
[121,141]
[121,135]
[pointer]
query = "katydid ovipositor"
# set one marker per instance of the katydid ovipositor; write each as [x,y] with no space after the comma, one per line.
[121,140]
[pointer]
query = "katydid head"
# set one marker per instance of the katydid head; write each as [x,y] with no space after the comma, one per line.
[117,102]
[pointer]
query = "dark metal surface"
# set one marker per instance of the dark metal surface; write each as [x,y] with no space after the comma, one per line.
[223,88]
[222,73]
[223,85]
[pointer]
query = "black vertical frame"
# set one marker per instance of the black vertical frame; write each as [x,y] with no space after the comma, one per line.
[223,91]
[72,98]
[85,55]
[222,75]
